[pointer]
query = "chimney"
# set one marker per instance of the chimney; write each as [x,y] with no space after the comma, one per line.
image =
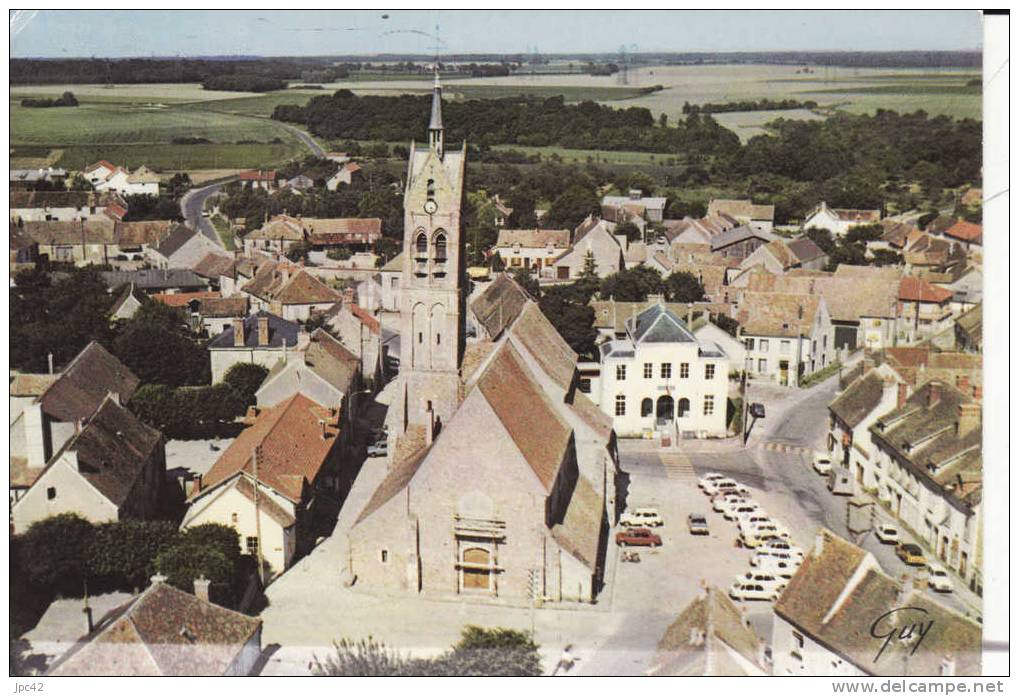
[263,331]
[689,314]
[969,419]
[962,383]
[238,332]
[202,588]
[49,359]
[902,395]
[933,394]
[322,427]
[819,544]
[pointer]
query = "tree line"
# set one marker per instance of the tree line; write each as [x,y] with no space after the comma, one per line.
[145,70]
[748,105]
[65,99]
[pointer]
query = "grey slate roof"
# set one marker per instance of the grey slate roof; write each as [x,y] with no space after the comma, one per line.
[279,329]
[178,237]
[739,234]
[156,279]
[657,324]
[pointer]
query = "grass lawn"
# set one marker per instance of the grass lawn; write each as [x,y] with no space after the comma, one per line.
[163,156]
[222,228]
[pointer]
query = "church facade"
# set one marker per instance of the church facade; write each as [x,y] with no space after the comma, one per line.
[502,479]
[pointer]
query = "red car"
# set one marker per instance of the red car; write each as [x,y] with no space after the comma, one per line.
[638,536]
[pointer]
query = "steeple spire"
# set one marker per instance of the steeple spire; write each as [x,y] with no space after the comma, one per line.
[435,130]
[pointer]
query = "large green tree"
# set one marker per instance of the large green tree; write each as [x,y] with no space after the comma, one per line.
[566,308]
[681,286]
[633,284]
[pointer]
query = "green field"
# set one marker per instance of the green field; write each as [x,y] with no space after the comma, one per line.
[596,156]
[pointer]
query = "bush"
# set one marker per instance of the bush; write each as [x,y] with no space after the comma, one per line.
[55,552]
[189,412]
[209,550]
[820,375]
[341,254]
[123,552]
[245,378]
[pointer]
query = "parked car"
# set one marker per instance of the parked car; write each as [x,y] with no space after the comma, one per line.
[736,510]
[757,516]
[781,546]
[938,579]
[709,477]
[743,590]
[910,554]
[642,517]
[756,520]
[722,501]
[697,523]
[638,536]
[822,463]
[887,534]
[380,448]
[757,536]
[762,577]
[725,486]
[782,567]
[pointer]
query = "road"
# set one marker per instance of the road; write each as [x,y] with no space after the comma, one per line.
[308,141]
[191,206]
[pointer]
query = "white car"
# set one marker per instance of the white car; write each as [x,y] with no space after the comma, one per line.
[709,477]
[743,590]
[757,536]
[726,485]
[779,567]
[938,579]
[747,519]
[781,546]
[887,534]
[765,578]
[722,501]
[642,517]
[737,510]
[822,463]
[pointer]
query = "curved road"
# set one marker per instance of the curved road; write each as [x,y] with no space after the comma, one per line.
[191,206]
[305,138]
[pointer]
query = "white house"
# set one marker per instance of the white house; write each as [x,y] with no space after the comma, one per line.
[142,182]
[343,176]
[593,244]
[787,337]
[661,381]
[531,249]
[262,338]
[839,221]
[389,279]
[651,207]
[744,211]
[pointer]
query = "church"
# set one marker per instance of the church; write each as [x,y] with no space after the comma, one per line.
[502,479]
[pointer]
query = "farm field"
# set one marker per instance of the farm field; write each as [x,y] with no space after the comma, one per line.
[596,156]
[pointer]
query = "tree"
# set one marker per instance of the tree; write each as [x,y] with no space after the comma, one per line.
[179,184]
[571,207]
[299,251]
[122,552]
[633,284]
[567,310]
[245,378]
[209,550]
[629,229]
[54,552]
[681,286]
[524,279]
[156,345]
[497,652]
[726,323]
[496,263]
[864,233]
[886,257]
[364,658]
[80,183]
[822,238]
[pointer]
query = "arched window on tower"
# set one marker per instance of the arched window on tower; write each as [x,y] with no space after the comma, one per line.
[421,245]
[440,247]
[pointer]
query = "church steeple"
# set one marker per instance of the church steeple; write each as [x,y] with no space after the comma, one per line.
[435,130]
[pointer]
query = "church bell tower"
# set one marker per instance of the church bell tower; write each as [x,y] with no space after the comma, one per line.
[433,286]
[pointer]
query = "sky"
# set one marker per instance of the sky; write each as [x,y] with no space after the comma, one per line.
[123,33]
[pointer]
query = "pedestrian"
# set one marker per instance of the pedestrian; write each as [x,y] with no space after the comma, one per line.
[566,660]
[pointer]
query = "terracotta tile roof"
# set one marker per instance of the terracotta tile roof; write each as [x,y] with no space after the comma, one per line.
[528,416]
[303,288]
[181,299]
[475,354]
[741,209]
[546,346]
[216,307]
[838,592]
[844,270]
[143,175]
[330,360]
[23,475]
[533,239]
[326,231]
[214,265]
[710,623]
[85,382]
[857,215]
[292,449]
[365,317]
[966,231]
[104,164]
[973,196]
[499,304]
[859,399]
[596,419]
[258,175]
[972,322]
[777,314]
[161,632]
[580,533]
[917,290]
[898,234]
[408,456]
[63,199]
[72,233]
[782,253]
[24,384]
[146,232]
[279,227]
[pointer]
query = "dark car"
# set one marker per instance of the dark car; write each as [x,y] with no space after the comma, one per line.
[638,536]
[697,523]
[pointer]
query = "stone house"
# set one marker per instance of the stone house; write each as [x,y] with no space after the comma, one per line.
[710,638]
[744,212]
[740,242]
[184,247]
[780,256]
[929,451]
[81,242]
[272,481]
[593,243]
[166,632]
[839,221]
[126,303]
[653,206]
[360,332]
[261,338]
[969,330]
[24,251]
[820,628]
[787,336]
[65,206]
[390,277]
[531,249]
[924,309]
[326,372]
[343,176]
[263,179]
[289,291]
[113,467]
[660,380]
